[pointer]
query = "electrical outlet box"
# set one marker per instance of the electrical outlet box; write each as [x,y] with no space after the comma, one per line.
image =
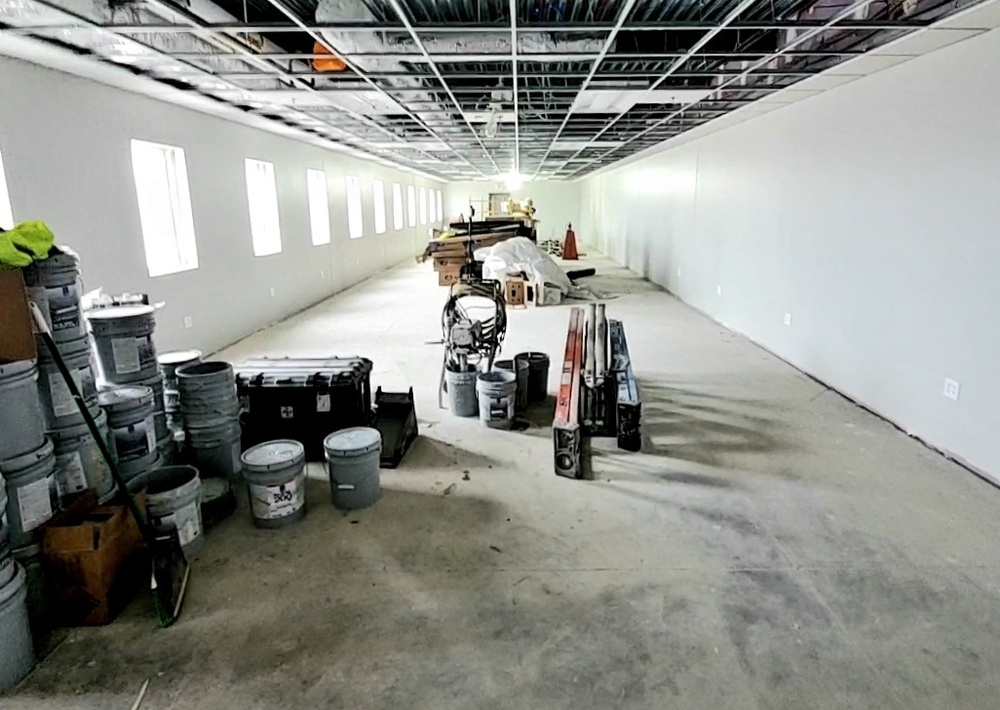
[718,290]
[788,319]
[952,389]
[273,290]
[188,322]
[322,273]
[678,271]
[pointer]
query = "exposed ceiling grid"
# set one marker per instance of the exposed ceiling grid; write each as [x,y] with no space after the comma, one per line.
[473,89]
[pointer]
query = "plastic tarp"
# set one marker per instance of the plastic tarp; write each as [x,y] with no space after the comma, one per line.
[521,255]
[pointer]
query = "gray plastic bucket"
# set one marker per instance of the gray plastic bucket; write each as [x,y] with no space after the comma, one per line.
[39,609]
[170,361]
[538,375]
[352,461]
[17,655]
[123,336]
[520,368]
[461,387]
[31,492]
[173,502]
[79,463]
[6,559]
[22,428]
[275,473]
[207,394]
[497,391]
[216,449]
[54,285]
[58,406]
[136,473]
[156,383]
[133,427]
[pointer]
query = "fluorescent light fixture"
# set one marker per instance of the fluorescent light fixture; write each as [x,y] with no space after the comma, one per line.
[605,101]
[513,180]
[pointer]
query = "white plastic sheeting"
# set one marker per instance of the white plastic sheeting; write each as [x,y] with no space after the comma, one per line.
[521,255]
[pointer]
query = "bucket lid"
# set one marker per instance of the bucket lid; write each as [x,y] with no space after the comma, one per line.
[14,369]
[113,312]
[498,376]
[355,441]
[125,398]
[178,357]
[13,466]
[274,455]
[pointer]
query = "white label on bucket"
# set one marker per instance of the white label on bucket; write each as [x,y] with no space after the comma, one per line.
[34,502]
[151,432]
[147,352]
[186,521]
[125,352]
[270,502]
[323,403]
[63,404]
[70,474]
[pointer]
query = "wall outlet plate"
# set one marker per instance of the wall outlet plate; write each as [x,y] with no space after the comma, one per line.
[322,273]
[952,389]
[188,322]
[273,290]
[718,289]
[788,319]
[678,271]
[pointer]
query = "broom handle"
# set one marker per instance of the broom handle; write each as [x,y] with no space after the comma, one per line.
[43,329]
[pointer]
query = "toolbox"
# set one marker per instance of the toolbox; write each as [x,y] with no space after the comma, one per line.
[303,399]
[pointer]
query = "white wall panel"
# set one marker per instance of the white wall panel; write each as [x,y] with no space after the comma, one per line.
[65,144]
[869,212]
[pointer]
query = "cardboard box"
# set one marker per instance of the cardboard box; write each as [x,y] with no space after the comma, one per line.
[514,291]
[17,332]
[95,561]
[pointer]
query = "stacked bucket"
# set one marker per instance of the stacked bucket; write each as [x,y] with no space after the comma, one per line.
[169,362]
[210,412]
[133,391]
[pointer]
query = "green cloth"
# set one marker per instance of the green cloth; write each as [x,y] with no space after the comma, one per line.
[24,244]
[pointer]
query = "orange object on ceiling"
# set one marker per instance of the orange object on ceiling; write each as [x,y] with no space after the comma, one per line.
[330,63]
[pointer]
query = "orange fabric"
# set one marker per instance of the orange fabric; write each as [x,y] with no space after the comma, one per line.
[330,63]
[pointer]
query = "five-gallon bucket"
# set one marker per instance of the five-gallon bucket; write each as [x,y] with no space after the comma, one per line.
[275,473]
[21,426]
[79,462]
[17,656]
[130,416]
[173,503]
[352,459]
[170,361]
[39,610]
[123,336]
[58,406]
[54,285]
[497,391]
[461,387]
[207,394]
[216,449]
[31,492]
[520,369]
[538,375]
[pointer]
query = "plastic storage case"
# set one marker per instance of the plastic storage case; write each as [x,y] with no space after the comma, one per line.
[303,399]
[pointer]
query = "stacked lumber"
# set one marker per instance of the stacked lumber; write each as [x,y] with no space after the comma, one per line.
[450,253]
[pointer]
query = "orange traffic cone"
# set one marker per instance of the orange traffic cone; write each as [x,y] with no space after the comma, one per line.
[569,245]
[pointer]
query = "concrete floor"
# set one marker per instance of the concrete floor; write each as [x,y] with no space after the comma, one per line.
[773,546]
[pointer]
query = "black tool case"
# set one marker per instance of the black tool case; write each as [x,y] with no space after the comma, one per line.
[396,421]
[303,399]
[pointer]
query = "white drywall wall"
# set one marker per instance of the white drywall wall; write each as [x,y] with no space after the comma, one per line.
[66,151]
[556,203]
[870,213]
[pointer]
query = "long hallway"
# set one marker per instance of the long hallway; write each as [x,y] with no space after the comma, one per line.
[772,546]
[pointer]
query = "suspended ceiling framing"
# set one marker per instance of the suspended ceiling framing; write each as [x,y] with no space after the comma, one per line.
[468,90]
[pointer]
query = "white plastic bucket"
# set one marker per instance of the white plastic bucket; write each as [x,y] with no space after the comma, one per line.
[497,391]
[31,492]
[17,655]
[59,408]
[130,415]
[275,473]
[173,502]
[80,465]
[352,459]
[22,428]
[123,336]
[54,284]
[461,387]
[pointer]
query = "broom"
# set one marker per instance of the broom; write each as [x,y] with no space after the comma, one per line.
[170,565]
